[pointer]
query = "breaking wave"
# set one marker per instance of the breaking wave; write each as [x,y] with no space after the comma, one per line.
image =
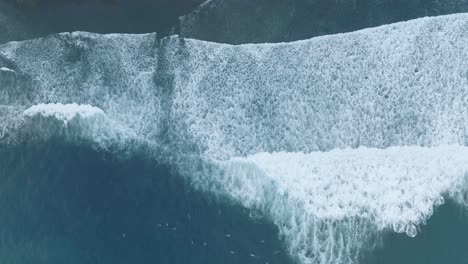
[337,140]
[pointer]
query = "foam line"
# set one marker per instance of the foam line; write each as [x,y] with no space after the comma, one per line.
[5,69]
[64,112]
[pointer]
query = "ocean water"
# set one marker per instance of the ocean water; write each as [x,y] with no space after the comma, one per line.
[441,240]
[347,148]
[261,21]
[66,203]
[22,20]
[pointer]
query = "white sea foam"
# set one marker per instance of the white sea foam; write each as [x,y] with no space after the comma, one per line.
[401,84]
[77,122]
[64,112]
[5,69]
[228,106]
[328,204]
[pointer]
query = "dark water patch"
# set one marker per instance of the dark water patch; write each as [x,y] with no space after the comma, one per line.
[70,204]
[443,240]
[246,21]
[25,19]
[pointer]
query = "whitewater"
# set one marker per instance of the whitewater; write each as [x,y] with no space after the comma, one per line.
[336,139]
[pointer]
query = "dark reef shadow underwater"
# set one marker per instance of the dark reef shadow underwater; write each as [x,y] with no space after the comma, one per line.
[63,203]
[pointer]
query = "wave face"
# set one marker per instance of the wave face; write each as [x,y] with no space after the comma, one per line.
[337,140]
